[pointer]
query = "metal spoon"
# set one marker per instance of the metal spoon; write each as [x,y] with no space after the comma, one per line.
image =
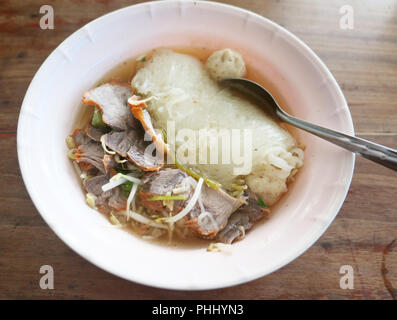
[369,150]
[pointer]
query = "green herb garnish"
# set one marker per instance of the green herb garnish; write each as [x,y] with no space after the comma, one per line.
[262,204]
[126,188]
[156,198]
[97,121]
[122,171]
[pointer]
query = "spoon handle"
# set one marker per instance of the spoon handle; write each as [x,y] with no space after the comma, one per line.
[367,149]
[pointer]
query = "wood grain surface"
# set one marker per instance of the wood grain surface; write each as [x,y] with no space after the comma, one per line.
[364,62]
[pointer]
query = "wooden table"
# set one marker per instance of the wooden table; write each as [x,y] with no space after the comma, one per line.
[364,62]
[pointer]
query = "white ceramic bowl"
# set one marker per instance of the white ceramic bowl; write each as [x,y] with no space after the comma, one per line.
[52,101]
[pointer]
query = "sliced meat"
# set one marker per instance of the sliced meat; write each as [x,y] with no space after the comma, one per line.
[91,152]
[109,163]
[94,185]
[116,200]
[130,144]
[165,182]
[111,99]
[143,159]
[217,204]
[253,208]
[110,199]
[80,137]
[94,133]
[122,141]
[127,138]
[139,111]
[243,220]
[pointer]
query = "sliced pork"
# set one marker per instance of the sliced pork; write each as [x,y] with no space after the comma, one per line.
[122,141]
[109,163]
[116,201]
[243,220]
[111,99]
[94,133]
[130,144]
[94,185]
[91,152]
[218,206]
[127,137]
[139,111]
[143,159]
[112,198]
[166,182]
[80,137]
[208,216]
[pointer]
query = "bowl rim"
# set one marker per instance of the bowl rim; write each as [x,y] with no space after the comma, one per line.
[310,54]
